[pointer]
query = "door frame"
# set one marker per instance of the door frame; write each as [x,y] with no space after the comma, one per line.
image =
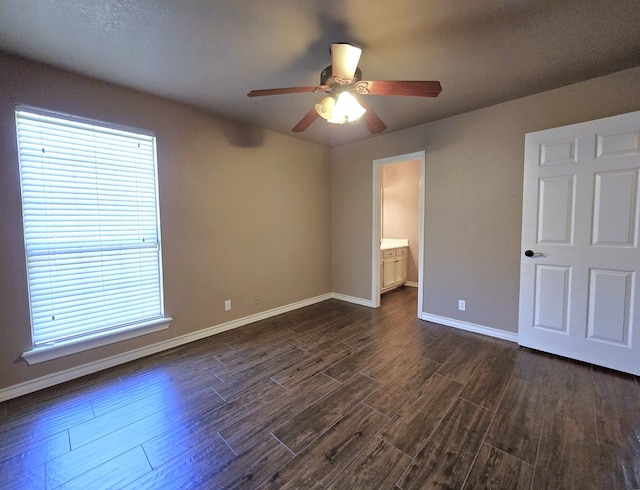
[376,215]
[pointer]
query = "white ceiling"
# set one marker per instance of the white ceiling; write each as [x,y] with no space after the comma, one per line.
[210,53]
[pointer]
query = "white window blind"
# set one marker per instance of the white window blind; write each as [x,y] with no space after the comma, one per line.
[91,227]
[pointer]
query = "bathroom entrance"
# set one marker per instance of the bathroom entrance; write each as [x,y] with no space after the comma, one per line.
[398,217]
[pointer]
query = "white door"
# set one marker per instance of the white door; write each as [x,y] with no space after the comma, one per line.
[579,291]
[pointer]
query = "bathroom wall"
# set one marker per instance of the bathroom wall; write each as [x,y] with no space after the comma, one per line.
[400,213]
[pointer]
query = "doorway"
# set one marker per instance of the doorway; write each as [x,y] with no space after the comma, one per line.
[416,249]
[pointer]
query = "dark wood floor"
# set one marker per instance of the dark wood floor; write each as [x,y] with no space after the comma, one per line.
[331,396]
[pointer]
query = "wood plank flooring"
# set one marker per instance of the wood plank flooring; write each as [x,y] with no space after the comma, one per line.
[333,396]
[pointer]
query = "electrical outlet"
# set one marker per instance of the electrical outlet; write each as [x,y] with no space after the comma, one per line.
[256,300]
[462,304]
[227,305]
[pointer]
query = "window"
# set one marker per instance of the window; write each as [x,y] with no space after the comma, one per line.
[91,230]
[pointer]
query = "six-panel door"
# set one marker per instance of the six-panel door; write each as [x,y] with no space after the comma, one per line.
[579,295]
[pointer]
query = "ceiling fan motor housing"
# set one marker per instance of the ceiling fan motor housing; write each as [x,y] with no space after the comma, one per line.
[326,77]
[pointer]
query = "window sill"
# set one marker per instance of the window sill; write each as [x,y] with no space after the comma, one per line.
[48,352]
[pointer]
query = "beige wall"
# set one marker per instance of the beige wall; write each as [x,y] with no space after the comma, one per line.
[244,211]
[401,207]
[474,170]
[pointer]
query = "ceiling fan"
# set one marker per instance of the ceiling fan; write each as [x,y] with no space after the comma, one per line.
[342,81]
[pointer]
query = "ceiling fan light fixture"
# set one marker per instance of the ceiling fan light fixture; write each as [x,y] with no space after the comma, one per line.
[347,109]
[345,59]
[342,83]
[325,107]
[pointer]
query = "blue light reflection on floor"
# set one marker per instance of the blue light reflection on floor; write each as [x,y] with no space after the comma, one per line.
[78,437]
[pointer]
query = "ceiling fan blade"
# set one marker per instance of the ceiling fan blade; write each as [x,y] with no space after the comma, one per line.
[306,121]
[398,87]
[370,119]
[344,61]
[283,90]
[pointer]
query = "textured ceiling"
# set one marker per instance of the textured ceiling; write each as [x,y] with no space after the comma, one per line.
[210,53]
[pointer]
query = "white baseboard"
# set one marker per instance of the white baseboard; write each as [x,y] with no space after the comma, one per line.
[353,299]
[471,327]
[411,284]
[92,367]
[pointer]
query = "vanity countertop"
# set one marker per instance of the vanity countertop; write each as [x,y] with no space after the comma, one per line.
[389,243]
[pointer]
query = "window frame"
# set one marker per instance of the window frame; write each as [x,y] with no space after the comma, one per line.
[92,339]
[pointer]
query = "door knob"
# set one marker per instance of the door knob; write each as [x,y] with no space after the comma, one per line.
[529,253]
